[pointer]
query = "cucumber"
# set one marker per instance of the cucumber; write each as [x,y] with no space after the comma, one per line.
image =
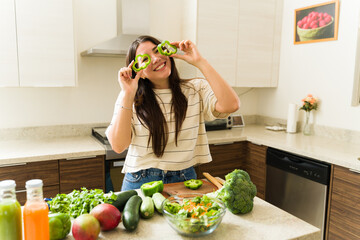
[147,208]
[131,213]
[122,198]
[158,199]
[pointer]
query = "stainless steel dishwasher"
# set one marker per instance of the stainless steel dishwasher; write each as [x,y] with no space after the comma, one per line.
[298,185]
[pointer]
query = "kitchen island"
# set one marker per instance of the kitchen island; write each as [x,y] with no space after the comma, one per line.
[265,221]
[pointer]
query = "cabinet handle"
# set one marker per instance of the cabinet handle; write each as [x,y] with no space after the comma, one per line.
[12,164]
[20,191]
[354,170]
[118,163]
[226,143]
[79,158]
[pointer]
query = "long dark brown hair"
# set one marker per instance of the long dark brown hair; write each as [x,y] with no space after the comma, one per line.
[147,108]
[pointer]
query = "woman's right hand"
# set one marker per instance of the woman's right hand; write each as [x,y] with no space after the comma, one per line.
[128,84]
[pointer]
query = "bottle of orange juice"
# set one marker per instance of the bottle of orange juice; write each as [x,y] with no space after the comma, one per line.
[10,212]
[36,220]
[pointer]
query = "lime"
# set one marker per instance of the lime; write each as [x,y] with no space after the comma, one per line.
[60,225]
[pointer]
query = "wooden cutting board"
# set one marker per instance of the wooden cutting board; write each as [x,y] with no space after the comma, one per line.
[179,188]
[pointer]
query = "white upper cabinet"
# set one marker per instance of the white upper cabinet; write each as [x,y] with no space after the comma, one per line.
[217,33]
[241,39]
[258,43]
[8,56]
[45,43]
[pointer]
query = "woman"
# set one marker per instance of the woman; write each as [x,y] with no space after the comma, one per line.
[160,117]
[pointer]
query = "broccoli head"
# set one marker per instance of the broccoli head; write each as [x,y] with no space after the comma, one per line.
[238,192]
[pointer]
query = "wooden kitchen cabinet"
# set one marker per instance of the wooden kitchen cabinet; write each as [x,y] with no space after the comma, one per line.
[48,171]
[226,158]
[241,39]
[344,205]
[77,173]
[255,166]
[38,49]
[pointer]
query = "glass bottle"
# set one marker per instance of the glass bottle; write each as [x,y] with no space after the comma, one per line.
[10,212]
[36,220]
[307,126]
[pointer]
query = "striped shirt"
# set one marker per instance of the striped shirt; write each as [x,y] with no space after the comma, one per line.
[192,148]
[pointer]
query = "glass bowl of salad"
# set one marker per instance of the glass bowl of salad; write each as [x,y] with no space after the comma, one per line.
[193,215]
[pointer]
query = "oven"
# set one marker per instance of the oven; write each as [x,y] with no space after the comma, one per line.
[114,162]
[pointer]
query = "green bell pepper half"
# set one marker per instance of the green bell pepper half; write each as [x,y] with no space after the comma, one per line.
[60,225]
[193,184]
[165,48]
[148,189]
[141,62]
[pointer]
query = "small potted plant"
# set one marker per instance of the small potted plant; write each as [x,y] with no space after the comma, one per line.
[309,103]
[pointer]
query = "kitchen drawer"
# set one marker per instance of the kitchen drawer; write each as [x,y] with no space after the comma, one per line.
[48,171]
[78,173]
[48,192]
[226,158]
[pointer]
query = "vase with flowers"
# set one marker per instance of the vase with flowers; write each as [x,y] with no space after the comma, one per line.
[309,103]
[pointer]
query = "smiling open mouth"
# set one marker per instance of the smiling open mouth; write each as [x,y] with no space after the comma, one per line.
[159,67]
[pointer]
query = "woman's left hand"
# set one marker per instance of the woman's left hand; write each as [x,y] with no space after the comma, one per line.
[191,53]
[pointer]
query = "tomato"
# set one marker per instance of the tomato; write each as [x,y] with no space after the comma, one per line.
[312,24]
[322,23]
[327,19]
[300,24]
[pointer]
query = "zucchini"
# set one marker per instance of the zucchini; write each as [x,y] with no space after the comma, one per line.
[158,199]
[131,213]
[122,198]
[147,208]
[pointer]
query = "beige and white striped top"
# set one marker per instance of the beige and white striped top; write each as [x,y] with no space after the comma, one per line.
[192,147]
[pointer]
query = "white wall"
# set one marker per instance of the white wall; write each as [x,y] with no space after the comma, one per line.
[325,69]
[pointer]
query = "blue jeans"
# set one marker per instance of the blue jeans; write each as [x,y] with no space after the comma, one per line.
[136,179]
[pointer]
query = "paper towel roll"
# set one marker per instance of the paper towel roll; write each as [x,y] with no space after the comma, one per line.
[292,118]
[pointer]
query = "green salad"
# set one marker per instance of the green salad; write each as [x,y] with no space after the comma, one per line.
[194,215]
[78,202]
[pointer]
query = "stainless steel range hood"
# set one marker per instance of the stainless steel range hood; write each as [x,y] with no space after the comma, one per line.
[116,47]
[129,27]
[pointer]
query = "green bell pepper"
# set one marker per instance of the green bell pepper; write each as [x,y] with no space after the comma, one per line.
[193,184]
[59,224]
[148,189]
[165,48]
[141,62]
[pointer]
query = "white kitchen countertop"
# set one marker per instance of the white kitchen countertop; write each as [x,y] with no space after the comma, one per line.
[342,153]
[19,151]
[328,150]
